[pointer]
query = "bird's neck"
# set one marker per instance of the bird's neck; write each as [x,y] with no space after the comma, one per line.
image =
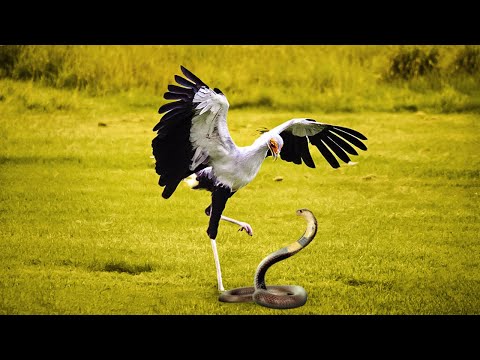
[248,161]
[258,149]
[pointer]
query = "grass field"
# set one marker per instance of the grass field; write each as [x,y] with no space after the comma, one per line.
[84,230]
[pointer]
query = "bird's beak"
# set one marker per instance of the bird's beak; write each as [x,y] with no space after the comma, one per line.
[275,155]
[274,150]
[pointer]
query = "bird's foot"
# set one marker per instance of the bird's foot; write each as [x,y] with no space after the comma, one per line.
[248,229]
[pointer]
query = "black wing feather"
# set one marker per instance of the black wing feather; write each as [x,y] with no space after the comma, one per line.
[175,96]
[335,148]
[329,142]
[295,149]
[170,106]
[177,116]
[172,154]
[181,90]
[342,143]
[287,150]
[351,132]
[317,141]
[192,77]
[297,156]
[171,147]
[185,82]
[353,140]
[305,153]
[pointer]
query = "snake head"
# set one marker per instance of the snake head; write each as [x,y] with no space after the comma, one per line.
[302,211]
[311,223]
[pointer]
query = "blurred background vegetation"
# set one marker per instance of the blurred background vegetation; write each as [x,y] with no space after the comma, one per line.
[330,78]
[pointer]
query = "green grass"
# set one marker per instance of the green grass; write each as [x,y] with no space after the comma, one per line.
[283,77]
[84,229]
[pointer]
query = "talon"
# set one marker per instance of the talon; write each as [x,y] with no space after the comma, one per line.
[247,228]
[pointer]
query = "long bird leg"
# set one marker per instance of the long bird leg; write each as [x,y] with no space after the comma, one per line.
[220,195]
[217,265]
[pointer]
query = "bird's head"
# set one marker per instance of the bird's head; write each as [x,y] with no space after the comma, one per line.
[275,144]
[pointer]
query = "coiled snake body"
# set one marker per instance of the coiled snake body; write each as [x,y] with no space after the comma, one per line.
[276,296]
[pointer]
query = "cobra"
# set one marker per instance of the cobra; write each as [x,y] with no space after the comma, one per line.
[276,296]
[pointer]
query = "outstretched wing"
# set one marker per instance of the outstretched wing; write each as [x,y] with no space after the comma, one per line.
[192,132]
[328,139]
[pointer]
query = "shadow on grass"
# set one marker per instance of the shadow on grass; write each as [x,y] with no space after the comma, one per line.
[350,281]
[123,267]
[25,160]
[109,266]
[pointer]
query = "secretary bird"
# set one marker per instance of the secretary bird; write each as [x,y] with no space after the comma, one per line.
[193,143]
